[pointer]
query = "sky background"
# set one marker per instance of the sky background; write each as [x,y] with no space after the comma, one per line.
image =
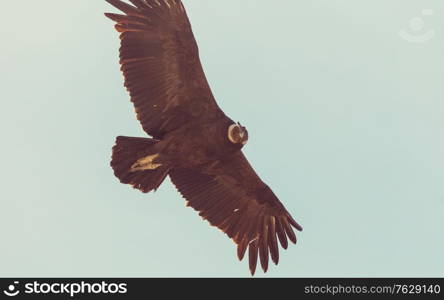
[345,120]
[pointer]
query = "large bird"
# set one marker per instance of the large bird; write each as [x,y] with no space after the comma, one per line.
[193,141]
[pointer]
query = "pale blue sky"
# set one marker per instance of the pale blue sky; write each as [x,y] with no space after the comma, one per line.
[345,120]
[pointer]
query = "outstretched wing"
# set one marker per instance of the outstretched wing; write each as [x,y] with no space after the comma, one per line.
[160,62]
[231,196]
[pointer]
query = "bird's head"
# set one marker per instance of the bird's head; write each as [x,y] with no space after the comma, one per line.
[237,134]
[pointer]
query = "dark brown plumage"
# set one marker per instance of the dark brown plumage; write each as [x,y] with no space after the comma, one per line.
[194,142]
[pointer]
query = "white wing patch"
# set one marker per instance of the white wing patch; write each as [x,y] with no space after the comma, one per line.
[145,163]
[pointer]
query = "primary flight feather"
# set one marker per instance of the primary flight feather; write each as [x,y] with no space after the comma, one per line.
[193,142]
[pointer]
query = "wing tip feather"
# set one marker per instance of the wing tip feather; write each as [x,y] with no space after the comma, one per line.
[252,256]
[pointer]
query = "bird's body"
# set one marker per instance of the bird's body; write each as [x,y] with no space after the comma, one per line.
[209,144]
[193,142]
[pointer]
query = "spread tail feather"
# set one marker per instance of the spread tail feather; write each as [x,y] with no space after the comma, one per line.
[136,162]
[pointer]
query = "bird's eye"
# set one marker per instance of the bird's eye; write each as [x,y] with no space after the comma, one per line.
[234,133]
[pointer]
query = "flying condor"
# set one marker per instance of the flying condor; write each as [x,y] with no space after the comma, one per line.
[193,141]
